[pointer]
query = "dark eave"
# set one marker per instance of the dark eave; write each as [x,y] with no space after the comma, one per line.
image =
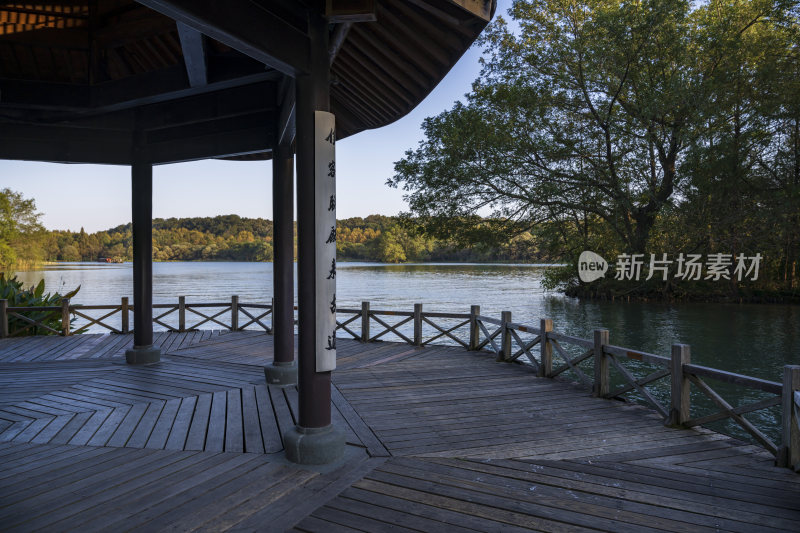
[210,79]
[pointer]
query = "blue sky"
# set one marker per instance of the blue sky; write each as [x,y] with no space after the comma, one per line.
[97,197]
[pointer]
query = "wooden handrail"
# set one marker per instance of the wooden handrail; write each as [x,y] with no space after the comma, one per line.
[772,387]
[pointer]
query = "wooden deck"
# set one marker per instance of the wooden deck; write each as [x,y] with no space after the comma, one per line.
[440,439]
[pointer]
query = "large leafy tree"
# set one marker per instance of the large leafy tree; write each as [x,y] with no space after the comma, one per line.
[593,121]
[19,227]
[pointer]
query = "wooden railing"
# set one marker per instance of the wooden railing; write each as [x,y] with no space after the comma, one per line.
[674,387]
[408,326]
[606,369]
[180,317]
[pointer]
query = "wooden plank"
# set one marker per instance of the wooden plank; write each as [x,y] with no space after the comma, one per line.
[270,433]
[108,427]
[177,495]
[282,413]
[127,425]
[289,510]
[220,497]
[234,430]
[180,428]
[12,431]
[374,446]
[53,428]
[158,438]
[661,514]
[215,437]
[141,434]
[253,441]
[92,425]
[257,497]
[95,502]
[196,438]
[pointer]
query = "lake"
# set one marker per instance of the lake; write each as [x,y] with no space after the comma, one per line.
[752,339]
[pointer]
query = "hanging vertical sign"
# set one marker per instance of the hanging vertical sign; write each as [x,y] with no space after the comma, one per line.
[325,246]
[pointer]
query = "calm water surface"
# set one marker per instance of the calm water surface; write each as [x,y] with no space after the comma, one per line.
[756,340]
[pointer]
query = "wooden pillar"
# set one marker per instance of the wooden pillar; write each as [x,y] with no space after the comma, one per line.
[143,350]
[314,440]
[283,259]
[282,370]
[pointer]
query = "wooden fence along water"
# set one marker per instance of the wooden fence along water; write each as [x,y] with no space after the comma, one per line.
[610,371]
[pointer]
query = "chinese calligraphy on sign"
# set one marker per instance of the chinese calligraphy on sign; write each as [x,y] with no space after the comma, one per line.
[694,267]
[325,246]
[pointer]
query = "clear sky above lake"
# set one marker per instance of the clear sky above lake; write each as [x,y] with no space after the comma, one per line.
[97,197]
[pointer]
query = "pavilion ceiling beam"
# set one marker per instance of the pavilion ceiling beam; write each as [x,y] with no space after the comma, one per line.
[217,145]
[63,144]
[244,26]
[194,55]
[237,101]
[59,144]
[286,113]
[286,103]
[350,10]
[226,103]
[158,86]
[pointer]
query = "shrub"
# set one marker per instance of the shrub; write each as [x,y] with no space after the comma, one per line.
[12,290]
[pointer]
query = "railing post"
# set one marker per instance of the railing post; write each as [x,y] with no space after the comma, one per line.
[600,385]
[234,313]
[364,321]
[505,337]
[125,319]
[272,317]
[181,313]
[680,411]
[65,317]
[417,324]
[546,349]
[789,450]
[474,329]
[3,318]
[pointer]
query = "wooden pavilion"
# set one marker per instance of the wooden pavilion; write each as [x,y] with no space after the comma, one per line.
[163,81]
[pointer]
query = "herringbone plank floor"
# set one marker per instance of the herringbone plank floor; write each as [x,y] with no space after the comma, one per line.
[441,439]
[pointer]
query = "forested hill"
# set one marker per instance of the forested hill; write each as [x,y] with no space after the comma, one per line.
[234,238]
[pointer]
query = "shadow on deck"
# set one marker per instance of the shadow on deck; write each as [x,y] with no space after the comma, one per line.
[440,439]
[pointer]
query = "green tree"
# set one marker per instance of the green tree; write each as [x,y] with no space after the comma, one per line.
[623,126]
[19,226]
[581,116]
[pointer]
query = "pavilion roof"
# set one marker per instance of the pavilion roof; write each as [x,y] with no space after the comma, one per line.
[205,79]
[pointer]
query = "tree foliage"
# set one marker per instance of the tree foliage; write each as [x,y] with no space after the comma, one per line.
[232,238]
[19,229]
[17,295]
[618,126]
